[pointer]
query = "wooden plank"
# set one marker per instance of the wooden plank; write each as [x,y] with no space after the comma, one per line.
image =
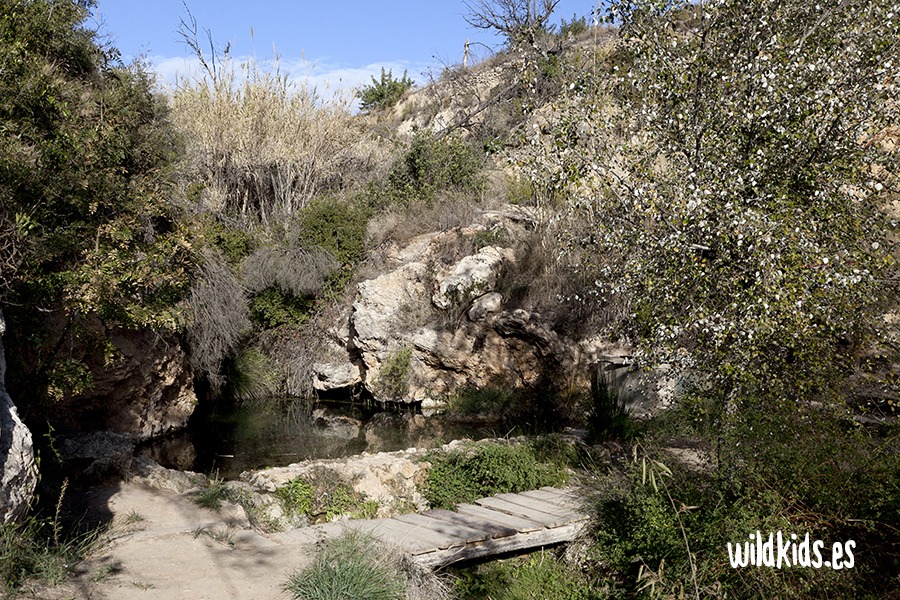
[455,531]
[571,493]
[518,542]
[520,524]
[401,535]
[495,530]
[533,514]
[541,505]
[564,500]
[556,490]
[437,540]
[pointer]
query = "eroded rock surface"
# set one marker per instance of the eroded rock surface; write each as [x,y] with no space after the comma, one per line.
[18,472]
[141,382]
[388,478]
[435,320]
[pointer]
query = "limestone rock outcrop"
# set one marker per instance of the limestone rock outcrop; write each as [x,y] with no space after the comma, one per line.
[435,320]
[18,472]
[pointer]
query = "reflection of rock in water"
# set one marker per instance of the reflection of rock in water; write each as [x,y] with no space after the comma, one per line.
[336,425]
[229,441]
[387,432]
[176,452]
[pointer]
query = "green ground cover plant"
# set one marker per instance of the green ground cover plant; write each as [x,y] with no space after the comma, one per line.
[323,496]
[42,548]
[465,475]
[542,575]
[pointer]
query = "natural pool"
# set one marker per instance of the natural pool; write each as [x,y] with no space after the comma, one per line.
[226,441]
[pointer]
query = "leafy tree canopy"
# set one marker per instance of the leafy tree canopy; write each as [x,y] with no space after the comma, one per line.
[731,166]
[83,216]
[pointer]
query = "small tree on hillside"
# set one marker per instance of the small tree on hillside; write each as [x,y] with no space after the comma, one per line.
[385,92]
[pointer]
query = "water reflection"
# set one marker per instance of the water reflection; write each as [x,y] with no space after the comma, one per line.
[227,441]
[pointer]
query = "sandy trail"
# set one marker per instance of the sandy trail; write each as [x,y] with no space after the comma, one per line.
[164,546]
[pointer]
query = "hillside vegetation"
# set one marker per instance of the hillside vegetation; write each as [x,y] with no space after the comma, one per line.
[714,185]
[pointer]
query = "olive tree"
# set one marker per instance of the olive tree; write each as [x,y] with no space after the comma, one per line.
[732,168]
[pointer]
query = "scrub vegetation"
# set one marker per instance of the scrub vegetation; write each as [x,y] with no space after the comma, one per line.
[715,186]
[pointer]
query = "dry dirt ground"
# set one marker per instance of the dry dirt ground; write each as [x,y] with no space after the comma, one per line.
[161,545]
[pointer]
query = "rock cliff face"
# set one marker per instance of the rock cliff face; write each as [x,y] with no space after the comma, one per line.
[146,390]
[138,383]
[435,321]
[18,473]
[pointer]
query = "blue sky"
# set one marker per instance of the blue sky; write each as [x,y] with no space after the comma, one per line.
[339,41]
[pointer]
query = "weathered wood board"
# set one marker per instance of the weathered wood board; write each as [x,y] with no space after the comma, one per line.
[520,524]
[492,527]
[532,514]
[495,525]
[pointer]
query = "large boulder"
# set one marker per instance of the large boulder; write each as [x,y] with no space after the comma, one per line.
[434,321]
[18,472]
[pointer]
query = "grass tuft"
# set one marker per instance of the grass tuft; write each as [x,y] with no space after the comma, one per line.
[350,566]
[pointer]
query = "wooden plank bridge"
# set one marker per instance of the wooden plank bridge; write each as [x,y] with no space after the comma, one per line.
[490,526]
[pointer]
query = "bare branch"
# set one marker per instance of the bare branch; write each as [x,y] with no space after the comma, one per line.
[519,20]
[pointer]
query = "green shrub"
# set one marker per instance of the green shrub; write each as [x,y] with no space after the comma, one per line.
[349,567]
[336,226]
[323,496]
[393,377]
[234,243]
[486,470]
[431,164]
[273,308]
[542,575]
[385,92]
[796,475]
[574,28]
[86,226]
[490,401]
[540,408]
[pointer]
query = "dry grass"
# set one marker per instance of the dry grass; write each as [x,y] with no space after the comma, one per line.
[399,225]
[263,146]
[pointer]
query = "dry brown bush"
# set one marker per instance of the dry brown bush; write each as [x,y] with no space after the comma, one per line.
[296,271]
[219,321]
[546,280]
[399,225]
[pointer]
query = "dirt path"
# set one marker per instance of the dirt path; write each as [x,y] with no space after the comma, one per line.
[164,546]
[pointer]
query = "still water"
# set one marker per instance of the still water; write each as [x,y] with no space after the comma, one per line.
[227,441]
